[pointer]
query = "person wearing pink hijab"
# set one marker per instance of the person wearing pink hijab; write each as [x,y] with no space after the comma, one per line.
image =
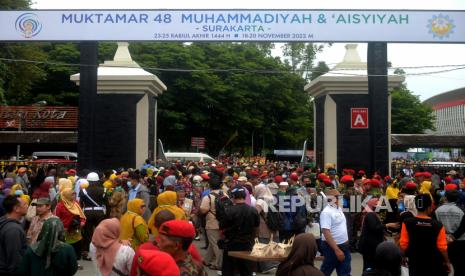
[109,255]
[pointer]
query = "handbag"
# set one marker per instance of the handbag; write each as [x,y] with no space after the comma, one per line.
[283,248]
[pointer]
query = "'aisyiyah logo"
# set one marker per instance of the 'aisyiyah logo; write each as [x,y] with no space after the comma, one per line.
[28,24]
[441,26]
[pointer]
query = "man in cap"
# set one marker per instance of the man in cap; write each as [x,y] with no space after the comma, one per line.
[333,177]
[21,178]
[335,241]
[43,213]
[239,231]
[176,237]
[455,176]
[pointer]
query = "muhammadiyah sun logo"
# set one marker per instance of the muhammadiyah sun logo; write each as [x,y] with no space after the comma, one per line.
[28,24]
[441,26]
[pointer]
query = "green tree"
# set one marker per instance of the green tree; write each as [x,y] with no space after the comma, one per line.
[16,77]
[300,57]
[408,114]
[215,103]
[320,69]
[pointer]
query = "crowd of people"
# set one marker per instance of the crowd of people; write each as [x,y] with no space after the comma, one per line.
[144,221]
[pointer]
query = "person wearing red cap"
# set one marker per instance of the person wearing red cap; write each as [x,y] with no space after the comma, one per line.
[162,217]
[293,179]
[156,263]
[349,191]
[452,217]
[426,186]
[410,190]
[71,172]
[374,187]
[176,237]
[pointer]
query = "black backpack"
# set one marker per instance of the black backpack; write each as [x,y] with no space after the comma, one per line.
[299,221]
[222,202]
[272,219]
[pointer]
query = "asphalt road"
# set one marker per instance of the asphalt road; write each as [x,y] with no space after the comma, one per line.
[356,264]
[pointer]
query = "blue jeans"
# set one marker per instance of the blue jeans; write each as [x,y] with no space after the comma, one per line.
[331,262]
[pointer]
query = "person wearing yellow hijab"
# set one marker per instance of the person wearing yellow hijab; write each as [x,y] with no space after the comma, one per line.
[73,218]
[166,201]
[108,184]
[64,183]
[17,190]
[133,226]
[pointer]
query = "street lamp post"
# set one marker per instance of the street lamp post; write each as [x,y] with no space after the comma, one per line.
[253,132]
[18,147]
[20,120]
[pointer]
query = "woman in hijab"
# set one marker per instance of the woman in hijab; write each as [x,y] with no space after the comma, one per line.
[110,257]
[166,201]
[64,183]
[17,190]
[249,188]
[300,261]
[118,200]
[7,184]
[372,233]
[52,191]
[50,255]
[73,218]
[133,226]
[265,201]
[388,260]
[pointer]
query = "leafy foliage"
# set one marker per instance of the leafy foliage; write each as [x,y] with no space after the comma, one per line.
[408,114]
[300,56]
[215,104]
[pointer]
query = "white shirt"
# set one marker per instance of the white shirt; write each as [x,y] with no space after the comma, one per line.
[253,201]
[333,218]
[123,260]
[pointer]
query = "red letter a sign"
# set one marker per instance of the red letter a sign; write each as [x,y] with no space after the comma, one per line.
[359,117]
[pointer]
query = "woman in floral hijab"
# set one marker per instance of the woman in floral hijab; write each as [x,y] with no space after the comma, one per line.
[50,255]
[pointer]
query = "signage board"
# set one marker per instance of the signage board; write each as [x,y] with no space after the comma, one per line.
[429,26]
[38,117]
[359,118]
[198,142]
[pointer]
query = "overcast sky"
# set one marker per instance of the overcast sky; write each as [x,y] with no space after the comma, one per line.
[398,54]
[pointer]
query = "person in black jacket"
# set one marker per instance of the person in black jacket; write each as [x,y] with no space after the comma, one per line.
[12,237]
[240,226]
[372,234]
[93,202]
